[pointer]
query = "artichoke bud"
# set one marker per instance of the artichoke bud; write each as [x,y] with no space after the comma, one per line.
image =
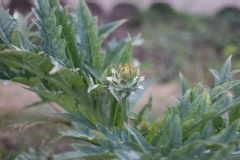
[124,81]
[144,127]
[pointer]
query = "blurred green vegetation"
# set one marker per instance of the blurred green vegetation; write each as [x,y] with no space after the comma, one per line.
[190,43]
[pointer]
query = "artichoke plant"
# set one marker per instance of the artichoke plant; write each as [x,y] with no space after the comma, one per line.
[124,81]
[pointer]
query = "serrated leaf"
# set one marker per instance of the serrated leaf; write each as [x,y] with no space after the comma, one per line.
[126,155]
[93,70]
[53,45]
[80,119]
[148,156]
[146,147]
[234,114]
[176,132]
[107,144]
[113,52]
[152,132]
[222,88]
[193,138]
[225,153]
[190,126]
[88,35]
[207,130]
[196,91]
[199,107]
[63,99]
[68,32]
[76,134]
[115,114]
[140,114]
[126,56]
[227,66]
[66,79]
[79,154]
[184,106]
[110,27]
[192,151]
[7,25]
[216,74]
[166,123]
[226,136]
[106,133]
[226,73]
[221,104]
[184,84]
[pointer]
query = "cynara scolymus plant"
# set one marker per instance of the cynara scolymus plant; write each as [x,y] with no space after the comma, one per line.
[69,67]
[93,85]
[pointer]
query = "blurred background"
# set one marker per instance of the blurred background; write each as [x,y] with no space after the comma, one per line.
[179,36]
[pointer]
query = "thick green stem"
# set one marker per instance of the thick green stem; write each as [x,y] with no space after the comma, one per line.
[125,111]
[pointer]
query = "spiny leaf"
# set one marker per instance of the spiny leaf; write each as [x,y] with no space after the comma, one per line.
[165,125]
[199,106]
[196,91]
[19,40]
[68,32]
[221,104]
[222,88]
[88,149]
[105,30]
[106,133]
[207,130]
[189,128]
[115,119]
[93,70]
[234,114]
[11,32]
[228,135]
[126,155]
[193,138]
[113,53]
[227,66]
[184,106]
[80,119]
[88,35]
[107,144]
[7,25]
[184,84]
[191,151]
[66,79]
[152,132]
[76,134]
[176,132]
[79,154]
[126,56]
[53,45]
[61,98]
[146,147]
[140,114]
[226,73]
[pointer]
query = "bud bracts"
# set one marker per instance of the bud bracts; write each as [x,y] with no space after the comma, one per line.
[125,80]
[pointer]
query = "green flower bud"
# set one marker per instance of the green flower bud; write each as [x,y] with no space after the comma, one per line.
[124,81]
